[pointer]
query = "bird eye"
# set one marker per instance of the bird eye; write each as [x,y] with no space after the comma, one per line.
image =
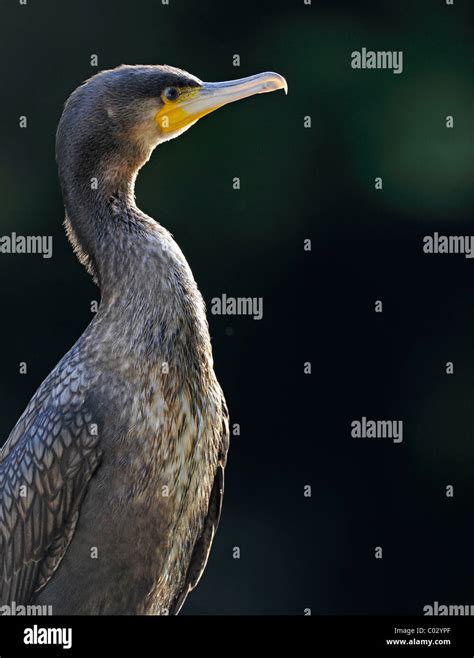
[171,93]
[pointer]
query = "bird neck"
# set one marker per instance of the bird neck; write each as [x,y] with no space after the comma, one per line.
[149,299]
[95,189]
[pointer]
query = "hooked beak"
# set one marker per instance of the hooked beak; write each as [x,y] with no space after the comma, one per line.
[195,102]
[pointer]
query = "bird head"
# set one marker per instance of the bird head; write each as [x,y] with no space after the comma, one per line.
[131,109]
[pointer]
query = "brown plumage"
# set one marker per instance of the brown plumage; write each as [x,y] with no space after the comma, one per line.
[111,482]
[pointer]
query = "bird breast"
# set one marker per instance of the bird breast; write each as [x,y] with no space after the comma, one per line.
[174,471]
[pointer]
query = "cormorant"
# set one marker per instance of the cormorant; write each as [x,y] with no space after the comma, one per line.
[111,481]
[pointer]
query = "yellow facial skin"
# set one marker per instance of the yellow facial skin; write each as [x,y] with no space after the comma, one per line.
[193,103]
[175,115]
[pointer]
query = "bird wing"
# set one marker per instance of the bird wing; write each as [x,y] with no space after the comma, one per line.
[45,467]
[203,545]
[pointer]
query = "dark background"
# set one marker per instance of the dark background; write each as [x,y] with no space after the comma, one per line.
[297,183]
